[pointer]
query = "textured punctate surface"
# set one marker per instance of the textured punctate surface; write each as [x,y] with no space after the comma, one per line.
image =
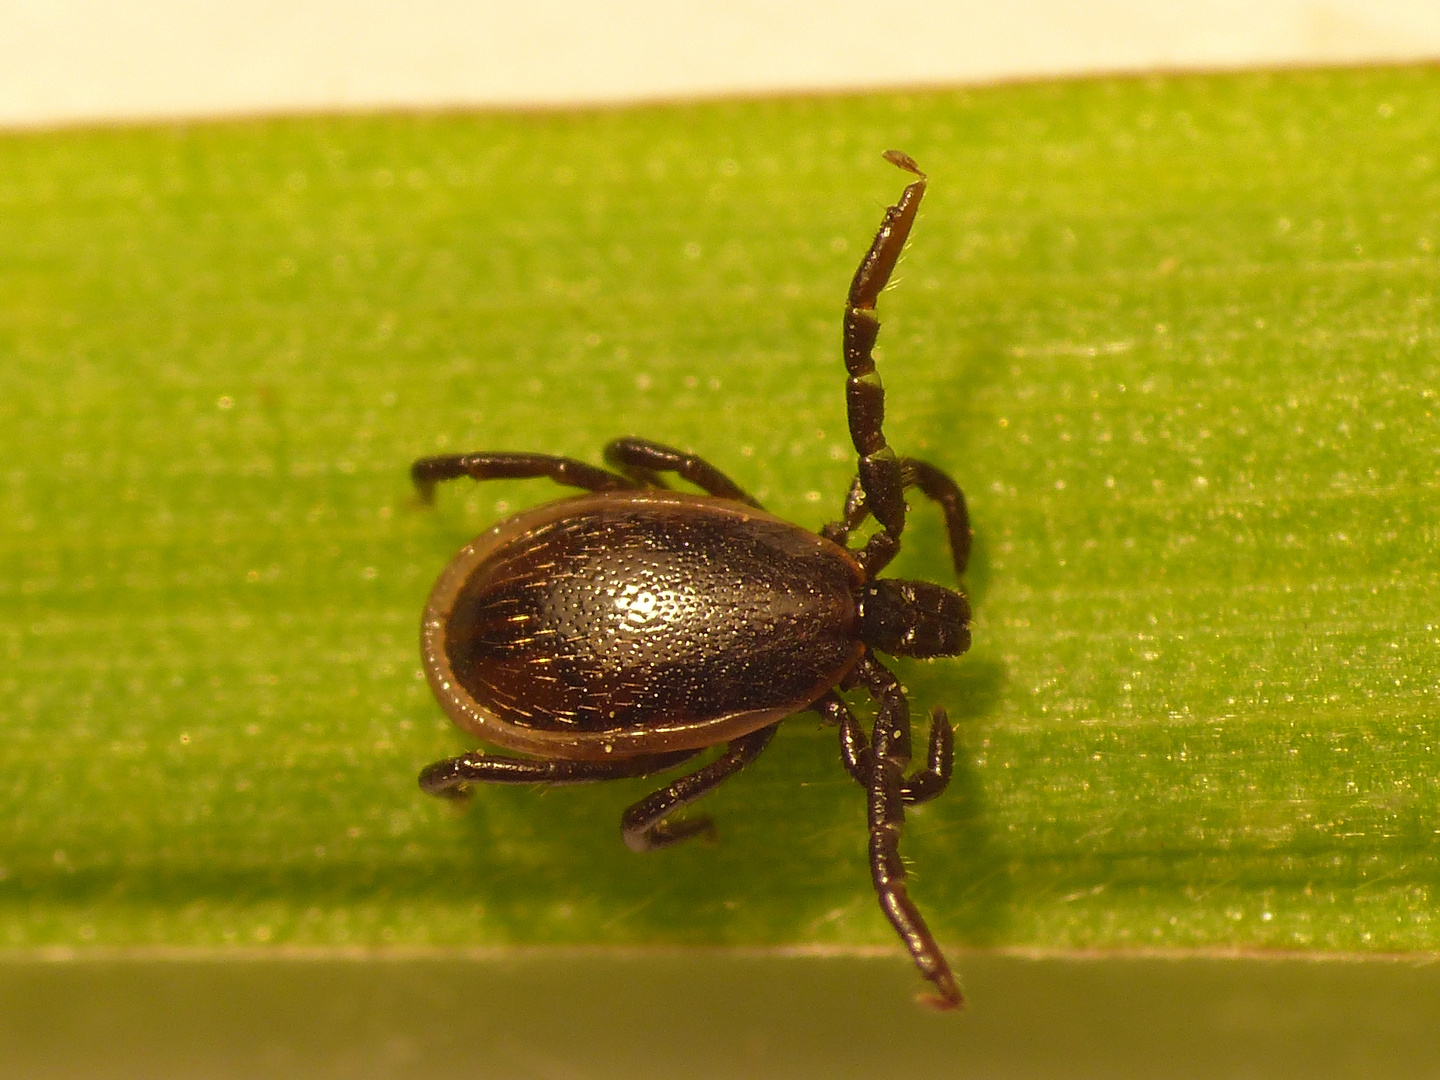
[617,617]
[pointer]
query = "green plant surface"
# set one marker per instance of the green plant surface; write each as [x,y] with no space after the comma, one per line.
[1174,336]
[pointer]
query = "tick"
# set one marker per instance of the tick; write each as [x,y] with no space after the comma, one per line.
[626,630]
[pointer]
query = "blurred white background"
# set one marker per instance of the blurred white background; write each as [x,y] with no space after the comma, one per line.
[65,61]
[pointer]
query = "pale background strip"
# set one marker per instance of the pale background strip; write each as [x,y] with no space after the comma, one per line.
[63,61]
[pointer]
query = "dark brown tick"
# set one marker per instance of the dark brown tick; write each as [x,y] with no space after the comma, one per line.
[621,632]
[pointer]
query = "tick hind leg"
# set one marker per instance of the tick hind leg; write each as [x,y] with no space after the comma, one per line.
[643,461]
[645,826]
[451,778]
[880,470]
[935,484]
[429,471]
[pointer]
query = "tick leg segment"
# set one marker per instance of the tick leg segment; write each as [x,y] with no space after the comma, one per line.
[642,460]
[936,485]
[427,472]
[920,786]
[926,783]
[450,778]
[890,753]
[942,490]
[879,469]
[644,824]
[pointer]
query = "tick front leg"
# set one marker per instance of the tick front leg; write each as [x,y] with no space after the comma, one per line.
[642,460]
[644,824]
[855,755]
[879,468]
[427,472]
[937,485]
[891,754]
[925,784]
[450,778]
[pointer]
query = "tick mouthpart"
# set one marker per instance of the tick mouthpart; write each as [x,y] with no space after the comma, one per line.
[914,618]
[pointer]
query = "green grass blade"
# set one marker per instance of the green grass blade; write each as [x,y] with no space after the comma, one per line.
[1174,336]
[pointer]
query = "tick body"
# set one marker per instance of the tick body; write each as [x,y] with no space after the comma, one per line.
[627,630]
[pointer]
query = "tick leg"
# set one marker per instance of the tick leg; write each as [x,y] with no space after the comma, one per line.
[643,460]
[644,824]
[934,483]
[879,469]
[854,747]
[450,778]
[918,787]
[891,754]
[427,472]
[944,492]
[924,784]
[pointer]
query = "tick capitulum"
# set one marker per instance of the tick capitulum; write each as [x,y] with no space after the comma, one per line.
[621,632]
